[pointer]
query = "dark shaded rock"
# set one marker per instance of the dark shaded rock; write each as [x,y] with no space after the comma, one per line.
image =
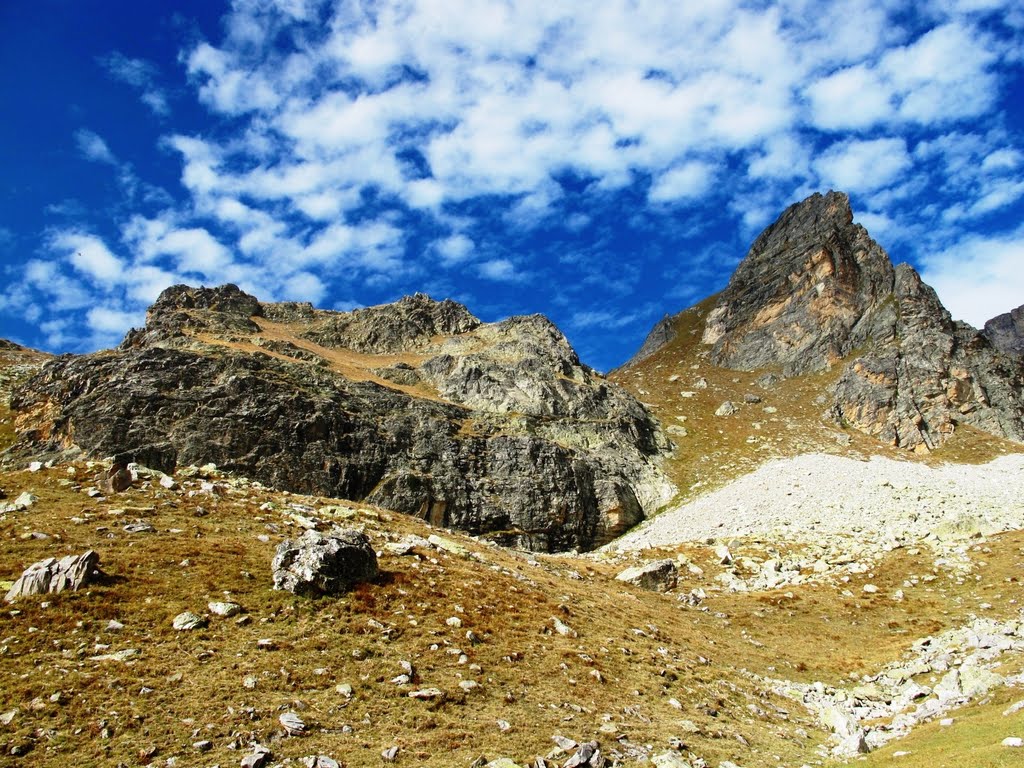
[512,437]
[316,564]
[182,310]
[816,291]
[661,334]
[51,575]
[1006,332]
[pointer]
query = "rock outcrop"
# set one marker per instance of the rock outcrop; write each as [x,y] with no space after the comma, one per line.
[51,575]
[815,291]
[415,406]
[1006,332]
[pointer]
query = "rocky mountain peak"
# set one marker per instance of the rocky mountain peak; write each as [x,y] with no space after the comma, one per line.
[1006,331]
[417,406]
[799,299]
[815,293]
[407,324]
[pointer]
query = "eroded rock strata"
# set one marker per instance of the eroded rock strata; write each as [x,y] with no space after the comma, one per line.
[416,406]
[815,291]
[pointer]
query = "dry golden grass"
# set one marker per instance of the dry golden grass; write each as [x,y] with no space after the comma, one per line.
[647,648]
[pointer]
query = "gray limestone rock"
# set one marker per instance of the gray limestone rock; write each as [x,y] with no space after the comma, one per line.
[1006,332]
[504,432]
[318,564]
[52,575]
[657,576]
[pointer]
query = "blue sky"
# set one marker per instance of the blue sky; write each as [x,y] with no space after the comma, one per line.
[601,163]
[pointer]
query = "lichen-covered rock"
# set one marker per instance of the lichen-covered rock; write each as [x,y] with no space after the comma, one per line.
[491,429]
[815,291]
[319,564]
[52,575]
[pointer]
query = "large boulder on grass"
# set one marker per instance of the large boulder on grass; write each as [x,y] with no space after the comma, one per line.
[319,564]
[52,575]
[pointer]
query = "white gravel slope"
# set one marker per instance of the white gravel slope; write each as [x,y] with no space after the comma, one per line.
[818,494]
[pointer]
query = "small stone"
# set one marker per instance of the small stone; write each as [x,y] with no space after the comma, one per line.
[390,754]
[259,758]
[35,466]
[504,726]
[428,694]
[187,621]
[946,722]
[726,409]
[249,682]
[1013,741]
[140,526]
[320,761]
[345,689]
[870,589]
[225,609]
[8,717]
[202,746]
[266,644]
[292,723]
[114,626]
[453,621]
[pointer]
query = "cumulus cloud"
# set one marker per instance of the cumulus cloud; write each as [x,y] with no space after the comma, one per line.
[356,149]
[862,166]
[978,277]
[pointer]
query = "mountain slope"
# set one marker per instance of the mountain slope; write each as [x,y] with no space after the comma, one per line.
[816,295]
[415,406]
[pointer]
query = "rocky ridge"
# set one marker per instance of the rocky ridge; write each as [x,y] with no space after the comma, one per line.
[815,292]
[416,406]
[1006,331]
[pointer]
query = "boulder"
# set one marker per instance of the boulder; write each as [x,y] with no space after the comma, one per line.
[657,576]
[52,575]
[319,564]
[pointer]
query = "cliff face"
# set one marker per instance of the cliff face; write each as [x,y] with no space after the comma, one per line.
[416,406]
[1006,332]
[816,292]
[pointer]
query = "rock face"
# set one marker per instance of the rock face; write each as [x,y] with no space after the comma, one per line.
[52,575]
[815,291]
[316,564]
[415,406]
[1006,332]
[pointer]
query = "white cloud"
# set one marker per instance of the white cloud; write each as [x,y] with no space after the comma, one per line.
[979,277]
[304,286]
[863,166]
[455,249]
[687,181]
[500,270]
[107,320]
[90,256]
[93,147]
[854,97]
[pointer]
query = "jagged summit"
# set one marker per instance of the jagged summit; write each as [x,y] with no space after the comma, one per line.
[1006,331]
[816,292]
[415,405]
[805,294]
